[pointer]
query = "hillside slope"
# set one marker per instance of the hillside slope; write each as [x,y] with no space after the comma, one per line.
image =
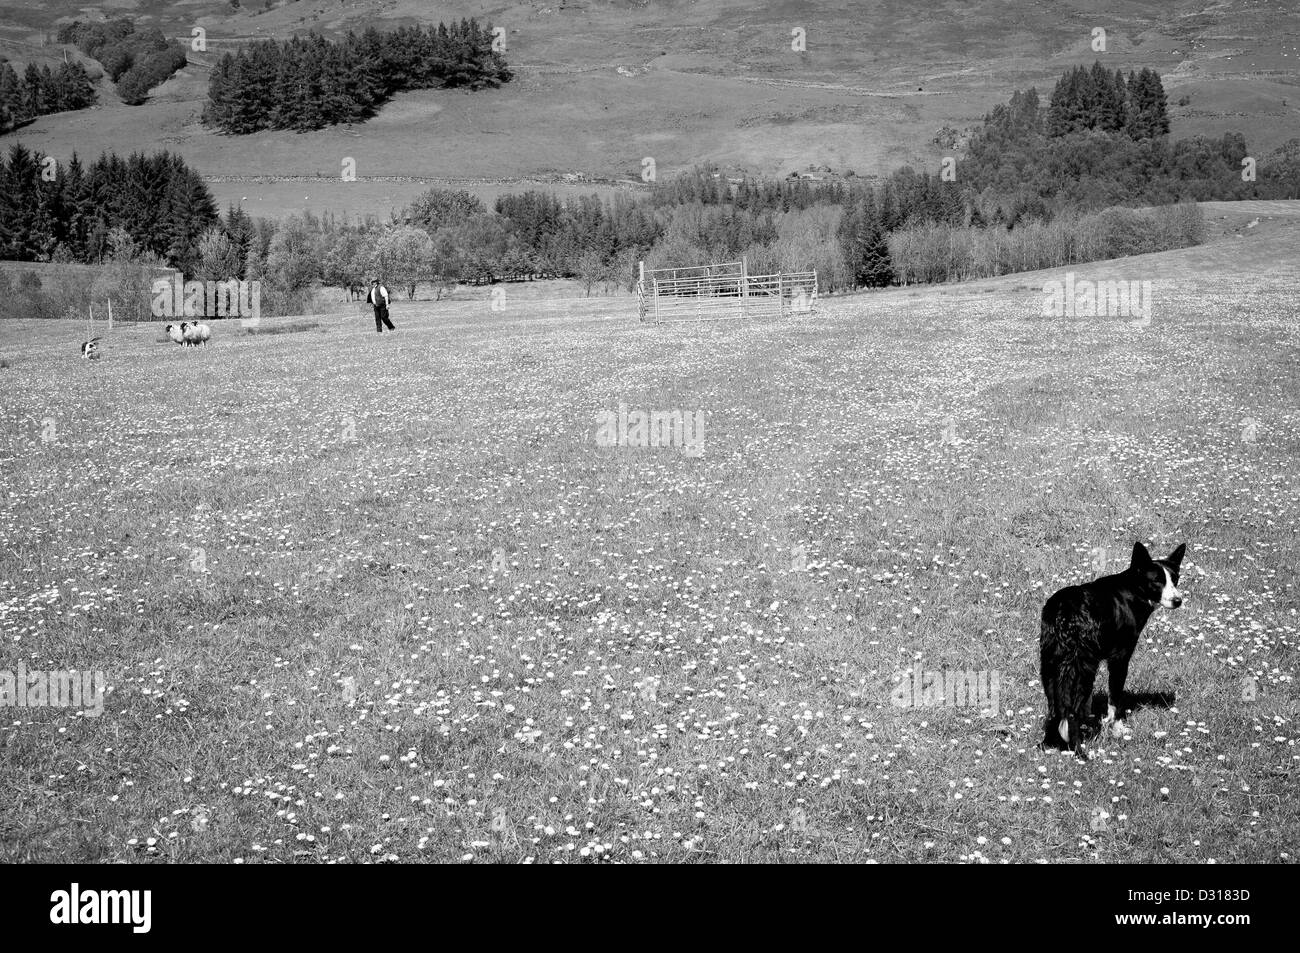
[601,86]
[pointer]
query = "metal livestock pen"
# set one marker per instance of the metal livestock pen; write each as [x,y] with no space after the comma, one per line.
[721,291]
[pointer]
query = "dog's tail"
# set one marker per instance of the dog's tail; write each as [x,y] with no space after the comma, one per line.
[1065,634]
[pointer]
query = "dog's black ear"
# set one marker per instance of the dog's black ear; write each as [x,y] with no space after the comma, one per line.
[1140,555]
[1176,557]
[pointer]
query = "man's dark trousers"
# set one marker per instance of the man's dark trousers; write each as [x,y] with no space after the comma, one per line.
[381,318]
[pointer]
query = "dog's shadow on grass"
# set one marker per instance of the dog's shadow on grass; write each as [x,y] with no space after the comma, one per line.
[1135,701]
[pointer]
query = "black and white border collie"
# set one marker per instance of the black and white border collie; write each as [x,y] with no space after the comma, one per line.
[1100,620]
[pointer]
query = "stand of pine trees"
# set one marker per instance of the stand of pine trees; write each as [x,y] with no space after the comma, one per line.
[41,91]
[311,82]
[1103,141]
[1097,99]
[544,236]
[136,61]
[161,203]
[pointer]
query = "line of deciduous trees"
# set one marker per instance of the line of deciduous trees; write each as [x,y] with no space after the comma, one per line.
[136,60]
[1024,195]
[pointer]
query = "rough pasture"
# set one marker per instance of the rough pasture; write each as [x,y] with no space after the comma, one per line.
[363,598]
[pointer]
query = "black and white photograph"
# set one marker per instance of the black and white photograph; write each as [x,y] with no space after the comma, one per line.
[626,432]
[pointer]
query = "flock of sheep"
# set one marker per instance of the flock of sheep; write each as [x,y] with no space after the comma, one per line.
[189,334]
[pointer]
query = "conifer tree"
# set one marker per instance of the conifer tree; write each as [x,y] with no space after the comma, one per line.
[34,92]
[74,207]
[1148,114]
[12,100]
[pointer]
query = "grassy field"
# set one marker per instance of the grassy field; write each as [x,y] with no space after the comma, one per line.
[384,598]
[705,80]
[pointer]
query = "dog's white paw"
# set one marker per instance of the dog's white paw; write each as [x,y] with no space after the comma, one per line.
[1110,714]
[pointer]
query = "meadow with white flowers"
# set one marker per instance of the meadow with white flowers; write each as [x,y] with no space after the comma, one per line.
[385,598]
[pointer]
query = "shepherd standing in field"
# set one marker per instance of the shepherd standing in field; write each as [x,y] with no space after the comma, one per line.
[378,299]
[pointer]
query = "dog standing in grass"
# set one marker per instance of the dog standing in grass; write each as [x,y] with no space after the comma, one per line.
[1100,620]
[378,299]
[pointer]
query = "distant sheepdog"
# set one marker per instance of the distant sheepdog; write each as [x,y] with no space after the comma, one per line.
[189,334]
[90,349]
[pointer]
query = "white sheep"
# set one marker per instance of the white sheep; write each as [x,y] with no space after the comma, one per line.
[190,333]
[174,333]
[204,331]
